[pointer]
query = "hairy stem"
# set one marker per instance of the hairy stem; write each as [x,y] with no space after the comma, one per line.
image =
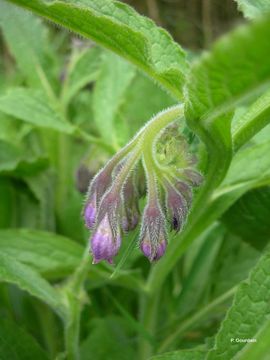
[74,292]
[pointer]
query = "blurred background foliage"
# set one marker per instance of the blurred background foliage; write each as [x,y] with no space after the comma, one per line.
[65,107]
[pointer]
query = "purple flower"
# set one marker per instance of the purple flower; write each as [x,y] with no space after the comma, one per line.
[106,239]
[176,207]
[104,244]
[153,238]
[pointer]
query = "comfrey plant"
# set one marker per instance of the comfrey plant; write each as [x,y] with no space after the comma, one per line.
[112,203]
[222,239]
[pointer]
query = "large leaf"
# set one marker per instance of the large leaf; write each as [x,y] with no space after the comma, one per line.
[25,278]
[33,107]
[253,8]
[50,254]
[16,344]
[221,80]
[119,28]
[248,313]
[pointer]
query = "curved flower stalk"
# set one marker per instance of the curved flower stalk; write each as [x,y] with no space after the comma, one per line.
[112,203]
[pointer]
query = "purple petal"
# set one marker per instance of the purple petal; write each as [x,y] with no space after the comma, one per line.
[90,214]
[103,245]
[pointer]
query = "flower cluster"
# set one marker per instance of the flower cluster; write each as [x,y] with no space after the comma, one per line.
[112,204]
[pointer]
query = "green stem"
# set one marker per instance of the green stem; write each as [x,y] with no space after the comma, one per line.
[148,317]
[195,319]
[74,292]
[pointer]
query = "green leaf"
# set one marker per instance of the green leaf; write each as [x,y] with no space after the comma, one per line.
[16,344]
[119,28]
[247,314]
[108,339]
[9,156]
[249,217]
[259,349]
[252,120]
[194,285]
[33,107]
[221,80]
[136,108]
[181,355]
[27,40]
[14,272]
[50,254]
[82,69]
[43,187]
[18,160]
[253,8]
[114,79]
[233,264]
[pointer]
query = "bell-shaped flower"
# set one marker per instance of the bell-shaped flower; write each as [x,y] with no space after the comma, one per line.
[153,237]
[106,239]
[104,245]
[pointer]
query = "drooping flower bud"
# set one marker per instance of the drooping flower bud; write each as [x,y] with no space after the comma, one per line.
[193,176]
[104,245]
[177,207]
[90,212]
[106,239]
[185,190]
[97,188]
[153,238]
[130,216]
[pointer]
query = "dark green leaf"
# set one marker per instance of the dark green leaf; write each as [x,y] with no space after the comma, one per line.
[16,344]
[249,217]
[247,314]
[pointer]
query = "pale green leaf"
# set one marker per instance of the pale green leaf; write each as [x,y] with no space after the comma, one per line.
[14,272]
[118,27]
[82,70]
[247,314]
[253,8]
[50,254]
[26,38]
[114,79]
[33,107]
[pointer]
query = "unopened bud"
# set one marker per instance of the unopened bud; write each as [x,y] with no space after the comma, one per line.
[104,244]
